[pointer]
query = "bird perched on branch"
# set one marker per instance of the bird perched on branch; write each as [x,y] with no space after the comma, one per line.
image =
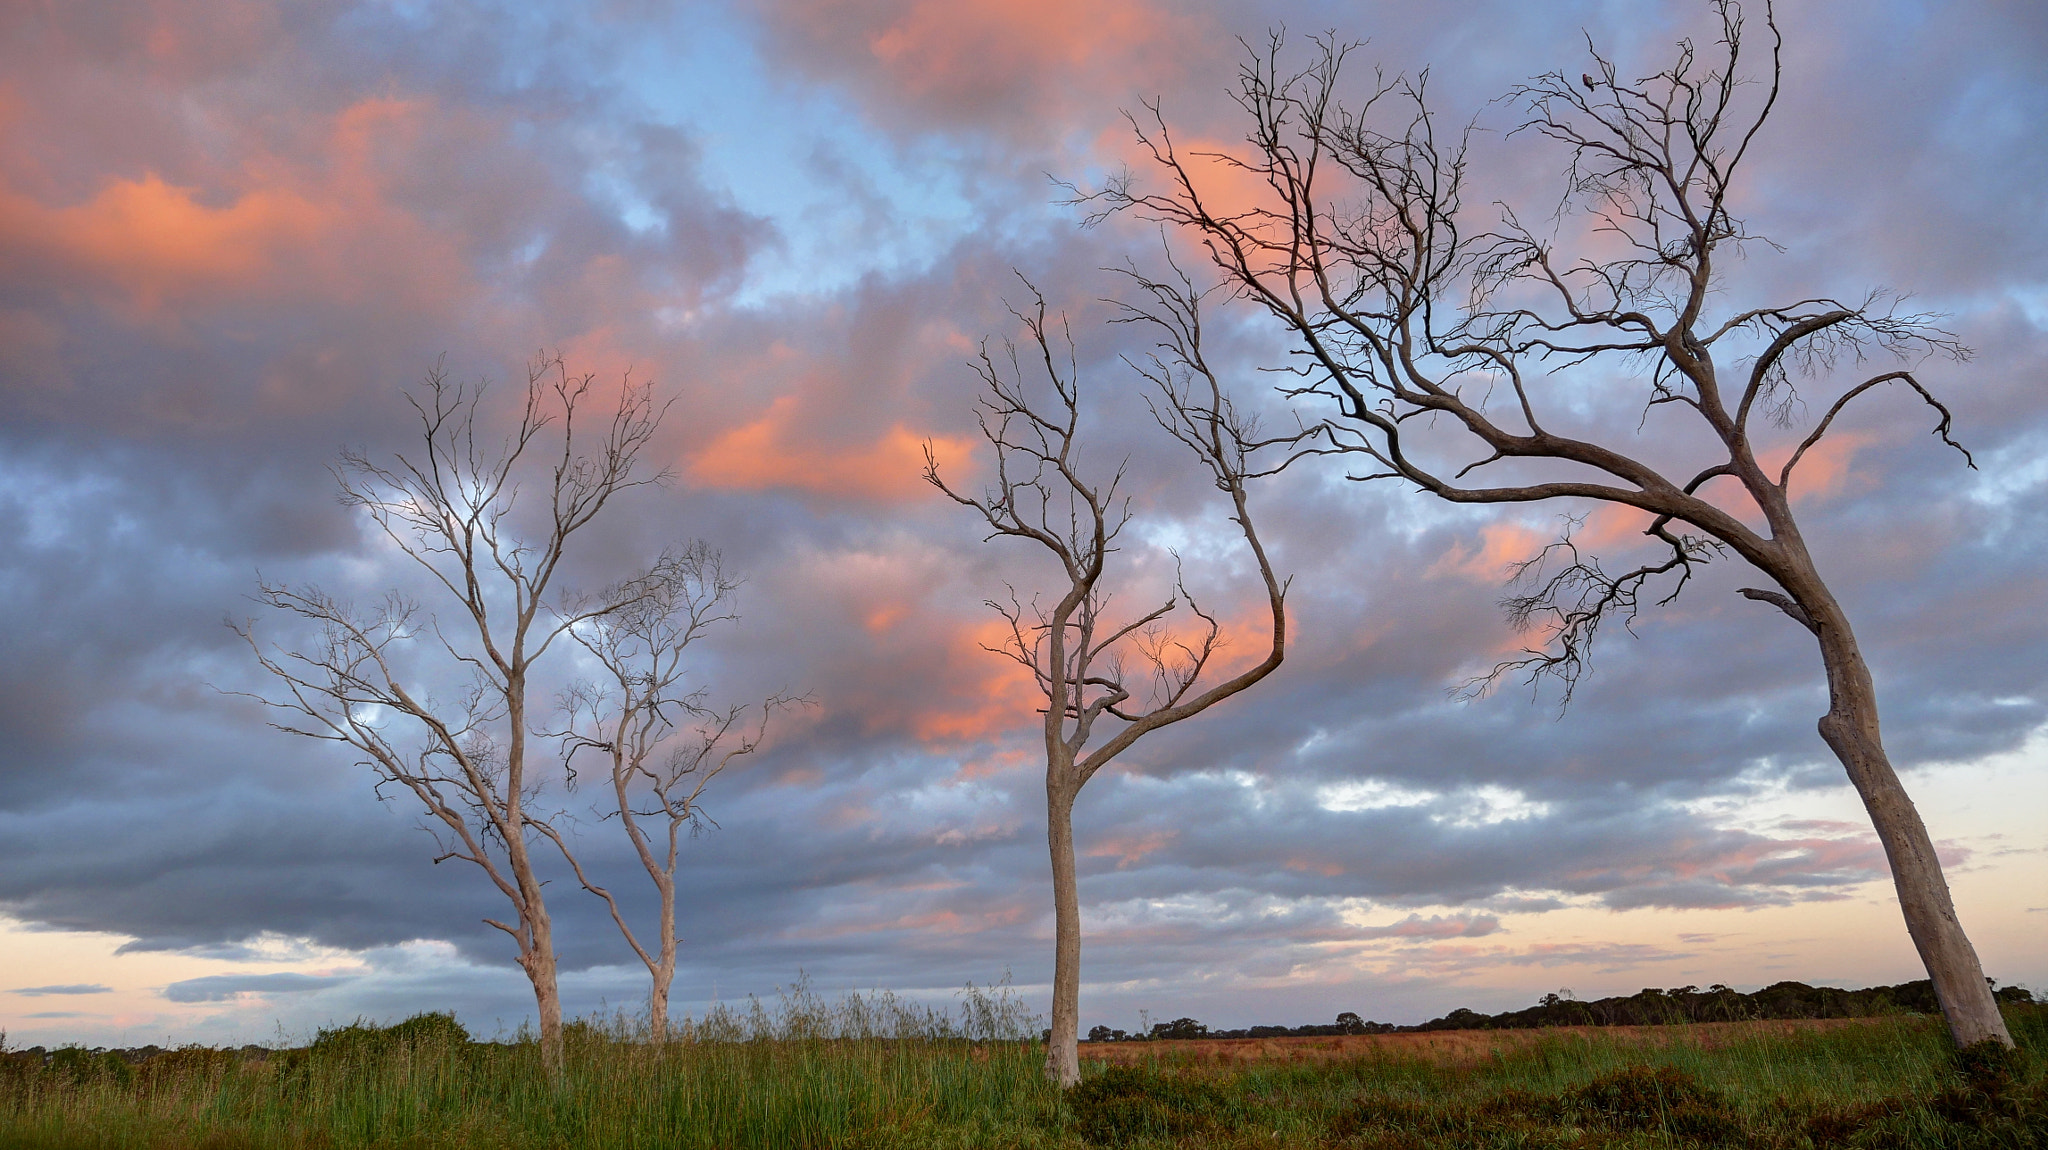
[1586,78]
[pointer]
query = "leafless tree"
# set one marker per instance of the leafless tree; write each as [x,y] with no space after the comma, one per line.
[368,681]
[1106,683]
[660,742]
[1419,331]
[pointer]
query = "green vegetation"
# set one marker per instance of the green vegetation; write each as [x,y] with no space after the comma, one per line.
[1655,1006]
[878,1072]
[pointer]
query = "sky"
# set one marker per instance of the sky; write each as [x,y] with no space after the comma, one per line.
[232,234]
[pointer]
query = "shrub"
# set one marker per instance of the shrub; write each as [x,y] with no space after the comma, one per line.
[362,1039]
[1665,1098]
[77,1065]
[1125,1103]
[437,1028]
[186,1066]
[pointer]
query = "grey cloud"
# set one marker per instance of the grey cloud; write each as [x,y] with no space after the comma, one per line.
[1523,904]
[222,987]
[1607,956]
[1702,895]
[1435,926]
[70,988]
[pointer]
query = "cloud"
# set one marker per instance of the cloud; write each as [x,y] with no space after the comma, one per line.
[759,455]
[988,63]
[1435,926]
[152,239]
[1607,956]
[225,987]
[72,988]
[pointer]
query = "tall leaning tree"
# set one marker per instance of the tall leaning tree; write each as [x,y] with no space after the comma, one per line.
[436,699]
[1107,682]
[1456,351]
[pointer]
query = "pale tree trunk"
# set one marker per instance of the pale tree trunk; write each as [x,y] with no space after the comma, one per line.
[1850,729]
[539,960]
[1062,1050]
[540,968]
[539,963]
[657,1006]
[664,973]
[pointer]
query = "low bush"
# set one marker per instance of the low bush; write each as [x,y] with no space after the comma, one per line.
[1124,1104]
[1660,1098]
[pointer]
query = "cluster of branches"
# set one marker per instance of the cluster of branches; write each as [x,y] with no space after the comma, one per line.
[1139,670]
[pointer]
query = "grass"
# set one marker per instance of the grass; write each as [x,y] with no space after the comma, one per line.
[876,1072]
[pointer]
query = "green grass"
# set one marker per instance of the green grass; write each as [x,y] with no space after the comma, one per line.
[824,1077]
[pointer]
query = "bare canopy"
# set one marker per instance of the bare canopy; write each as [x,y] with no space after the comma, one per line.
[657,738]
[368,678]
[1453,348]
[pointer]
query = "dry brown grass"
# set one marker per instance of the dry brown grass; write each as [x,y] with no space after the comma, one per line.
[1444,1047]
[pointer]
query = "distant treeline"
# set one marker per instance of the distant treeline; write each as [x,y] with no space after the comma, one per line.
[1651,1006]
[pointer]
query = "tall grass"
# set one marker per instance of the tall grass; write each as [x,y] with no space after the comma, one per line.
[798,1072]
[878,1071]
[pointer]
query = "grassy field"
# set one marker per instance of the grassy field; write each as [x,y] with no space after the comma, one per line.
[798,1079]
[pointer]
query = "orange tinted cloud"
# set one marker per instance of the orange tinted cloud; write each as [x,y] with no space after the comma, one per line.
[154,240]
[926,922]
[995,696]
[1226,187]
[323,226]
[950,46]
[1609,524]
[1749,861]
[1503,544]
[1823,472]
[1500,546]
[1007,60]
[1129,848]
[770,452]
[913,670]
[1244,638]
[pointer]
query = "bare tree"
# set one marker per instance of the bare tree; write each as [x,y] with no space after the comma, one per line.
[369,680]
[1420,332]
[660,742]
[1106,684]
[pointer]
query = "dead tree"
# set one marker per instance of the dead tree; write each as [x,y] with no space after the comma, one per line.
[1106,683]
[370,680]
[659,741]
[1454,356]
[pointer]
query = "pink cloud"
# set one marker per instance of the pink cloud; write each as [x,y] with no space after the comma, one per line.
[772,452]
[1023,66]
[1129,848]
[321,226]
[156,242]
